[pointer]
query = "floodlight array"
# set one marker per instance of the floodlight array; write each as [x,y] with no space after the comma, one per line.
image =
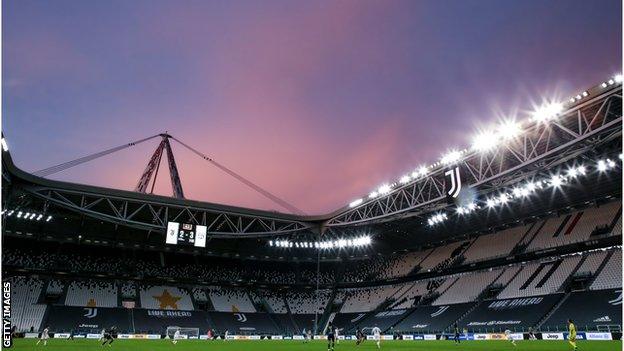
[488,140]
[26,215]
[360,241]
[521,191]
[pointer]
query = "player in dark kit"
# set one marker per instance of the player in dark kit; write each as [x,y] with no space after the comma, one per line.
[456,338]
[331,337]
[109,336]
[359,336]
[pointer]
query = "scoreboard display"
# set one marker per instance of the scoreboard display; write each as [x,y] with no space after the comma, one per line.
[186,234]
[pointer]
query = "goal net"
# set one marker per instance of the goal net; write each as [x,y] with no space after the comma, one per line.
[185,333]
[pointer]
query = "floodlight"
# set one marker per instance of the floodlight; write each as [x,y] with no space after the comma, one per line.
[581,170]
[484,142]
[509,130]
[556,181]
[584,94]
[610,163]
[547,112]
[611,81]
[604,85]
[451,157]
[491,203]
[5,147]
[405,179]
[355,203]
[618,78]
[271,243]
[373,195]
[384,189]
[503,198]
[602,166]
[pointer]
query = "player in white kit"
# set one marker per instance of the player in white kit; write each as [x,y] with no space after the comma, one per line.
[509,338]
[377,336]
[176,336]
[44,337]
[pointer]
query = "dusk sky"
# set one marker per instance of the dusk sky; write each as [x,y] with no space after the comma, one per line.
[317,101]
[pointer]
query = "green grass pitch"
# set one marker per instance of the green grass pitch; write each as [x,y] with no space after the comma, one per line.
[288,345]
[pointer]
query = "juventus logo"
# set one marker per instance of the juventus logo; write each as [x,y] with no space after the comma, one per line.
[241,317]
[455,182]
[90,312]
[440,311]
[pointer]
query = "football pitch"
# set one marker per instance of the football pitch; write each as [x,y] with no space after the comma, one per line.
[287,345]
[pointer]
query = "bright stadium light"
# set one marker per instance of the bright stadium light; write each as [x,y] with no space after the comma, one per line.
[602,166]
[451,157]
[5,146]
[405,179]
[556,181]
[384,189]
[420,172]
[503,198]
[572,172]
[271,243]
[373,195]
[491,203]
[19,214]
[509,130]
[355,203]
[618,78]
[485,141]
[547,112]
[604,85]
[49,218]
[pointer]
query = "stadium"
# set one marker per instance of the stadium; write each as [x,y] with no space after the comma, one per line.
[496,245]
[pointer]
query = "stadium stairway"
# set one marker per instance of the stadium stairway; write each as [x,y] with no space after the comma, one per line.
[479,298]
[119,297]
[418,266]
[290,316]
[570,277]
[329,309]
[533,231]
[601,267]
[552,311]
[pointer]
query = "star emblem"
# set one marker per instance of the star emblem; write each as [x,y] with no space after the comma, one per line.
[166,299]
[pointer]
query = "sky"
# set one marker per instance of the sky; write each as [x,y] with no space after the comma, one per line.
[318,102]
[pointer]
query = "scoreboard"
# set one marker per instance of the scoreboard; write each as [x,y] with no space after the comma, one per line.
[186,234]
